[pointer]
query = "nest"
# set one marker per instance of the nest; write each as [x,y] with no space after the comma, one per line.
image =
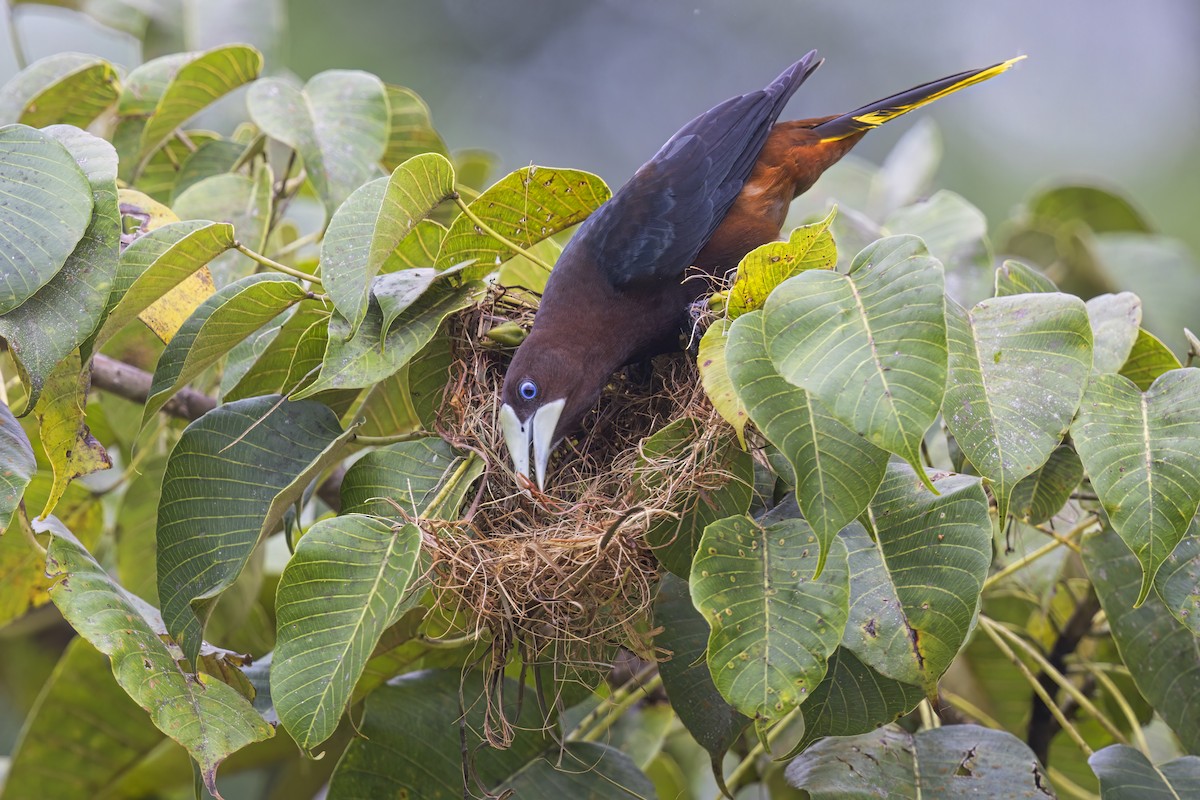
[566,577]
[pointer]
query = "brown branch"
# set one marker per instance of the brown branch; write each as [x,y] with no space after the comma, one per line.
[133,384]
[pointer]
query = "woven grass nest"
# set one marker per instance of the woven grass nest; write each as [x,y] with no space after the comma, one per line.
[566,577]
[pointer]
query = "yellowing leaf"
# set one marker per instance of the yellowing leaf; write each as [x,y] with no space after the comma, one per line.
[714,375]
[765,267]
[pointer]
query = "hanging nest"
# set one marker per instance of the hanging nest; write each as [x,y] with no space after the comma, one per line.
[566,577]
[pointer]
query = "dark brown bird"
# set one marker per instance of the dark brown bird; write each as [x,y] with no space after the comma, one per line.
[717,189]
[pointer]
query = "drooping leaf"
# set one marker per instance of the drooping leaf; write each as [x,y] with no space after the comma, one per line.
[1040,496]
[409,400]
[870,346]
[1148,359]
[204,715]
[48,207]
[294,351]
[410,130]
[915,587]
[1126,774]
[223,320]
[1178,582]
[338,123]
[61,315]
[252,458]
[837,471]
[1013,277]
[1163,654]
[764,268]
[371,224]
[773,626]
[69,445]
[1115,319]
[1142,453]
[525,207]
[368,356]
[340,590]
[714,374]
[1018,365]
[951,761]
[67,88]
[16,458]
[242,201]
[409,480]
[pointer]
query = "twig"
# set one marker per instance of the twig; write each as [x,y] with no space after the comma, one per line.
[270,263]
[1066,539]
[1118,696]
[484,227]
[15,37]
[635,687]
[734,781]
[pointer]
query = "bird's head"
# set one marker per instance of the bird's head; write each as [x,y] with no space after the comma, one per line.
[546,393]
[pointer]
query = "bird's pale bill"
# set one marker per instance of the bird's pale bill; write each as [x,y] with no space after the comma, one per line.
[538,430]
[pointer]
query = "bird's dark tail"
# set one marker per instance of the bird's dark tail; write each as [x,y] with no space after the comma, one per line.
[887,109]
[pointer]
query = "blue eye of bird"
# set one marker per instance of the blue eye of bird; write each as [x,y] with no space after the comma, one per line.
[528,389]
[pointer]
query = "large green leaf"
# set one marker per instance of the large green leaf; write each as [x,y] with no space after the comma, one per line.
[67,88]
[47,208]
[229,479]
[683,634]
[914,588]
[1142,453]
[368,356]
[1163,655]
[678,447]
[1040,496]
[16,455]
[951,761]
[221,321]
[1115,319]
[410,131]
[765,267]
[1126,774]
[837,471]
[1148,359]
[289,357]
[1018,365]
[338,123]
[243,201]
[204,715]
[1178,582]
[407,480]
[340,590]
[525,207]
[372,222]
[773,625]
[871,345]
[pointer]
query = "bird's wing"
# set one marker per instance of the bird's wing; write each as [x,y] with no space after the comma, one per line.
[653,227]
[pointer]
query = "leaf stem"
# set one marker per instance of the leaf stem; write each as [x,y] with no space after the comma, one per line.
[15,37]
[380,441]
[618,709]
[27,529]
[484,227]
[629,688]
[1049,547]
[971,710]
[275,265]
[1122,702]
[746,764]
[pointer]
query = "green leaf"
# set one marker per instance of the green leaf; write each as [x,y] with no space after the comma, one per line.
[773,626]
[252,458]
[422,479]
[525,207]
[367,356]
[68,88]
[871,345]
[197,81]
[679,448]
[954,231]
[683,635]
[1018,365]
[951,761]
[837,471]
[1013,277]
[1162,270]
[294,351]
[1178,582]
[221,321]
[584,770]
[1115,319]
[396,291]
[157,262]
[915,587]
[1100,210]
[204,715]
[1038,497]
[244,202]
[418,249]
[714,375]
[337,594]
[764,268]
[209,159]
[371,224]
[1163,654]
[409,400]
[338,123]
[410,131]
[1148,359]
[1142,452]
[16,455]
[48,207]
[159,173]
[61,315]
[1126,774]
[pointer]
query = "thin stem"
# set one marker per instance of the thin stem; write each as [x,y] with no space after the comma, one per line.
[971,710]
[619,708]
[483,226]
[1139,735]
[302,241]
[30,536]
[15,37]
[1068,786]
[988,627]
[628,688]
[1049,547]
[746,764]
[275,265]
[380,441]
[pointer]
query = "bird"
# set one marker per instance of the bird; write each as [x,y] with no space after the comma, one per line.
[621,291]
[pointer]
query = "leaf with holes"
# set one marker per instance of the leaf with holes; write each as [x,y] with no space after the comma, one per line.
[68,88]
[870,346]
[1018,365]
[764,268]
[1178,582]
[773,626]
[837,471]
[525,207]
[915,587]
[1142,453]
[338,123]
[1148,359]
